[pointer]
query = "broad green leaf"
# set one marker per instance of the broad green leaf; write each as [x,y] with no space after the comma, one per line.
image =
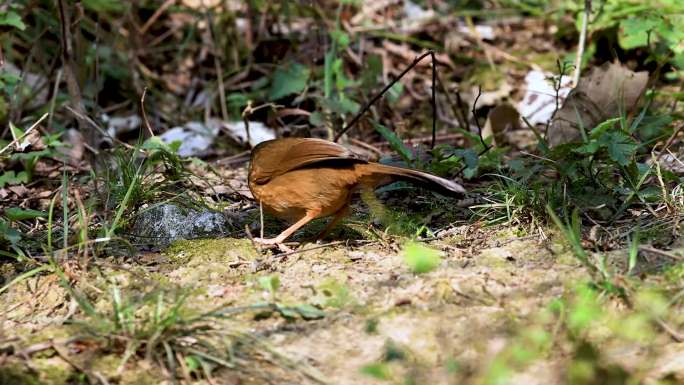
[471,160]
[289,80]
[603,127]
[10,178]
[621,147]
[588,148]
[395,143]
[634,32]
[19,214]
[12,19]
[420,258]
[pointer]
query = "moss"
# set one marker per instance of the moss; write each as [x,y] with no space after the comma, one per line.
[210,250]
[107,365]
[54,371]
[16,374]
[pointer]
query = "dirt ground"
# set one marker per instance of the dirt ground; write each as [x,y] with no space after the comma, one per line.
[444,327]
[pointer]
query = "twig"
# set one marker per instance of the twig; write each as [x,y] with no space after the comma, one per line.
[669,141]
[16,140]
[144,114]
[375,98]
[261,220]
[155,15]
[664,253]
[477,122]
[218,66]
[479,130]
[455,108]
[582,42]
[434,102]
[562,67]
[310,248]
[53,100]
[677,336]
[69,64]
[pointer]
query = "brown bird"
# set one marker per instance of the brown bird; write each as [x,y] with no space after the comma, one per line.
[301,179]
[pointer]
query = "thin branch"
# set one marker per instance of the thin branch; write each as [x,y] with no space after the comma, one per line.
[375,98]
[34,125]
[582,42]
[434,102]
[144,115]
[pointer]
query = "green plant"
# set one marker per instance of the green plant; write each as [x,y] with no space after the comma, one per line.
[420,258]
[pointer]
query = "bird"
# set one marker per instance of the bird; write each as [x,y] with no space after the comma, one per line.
[302,179]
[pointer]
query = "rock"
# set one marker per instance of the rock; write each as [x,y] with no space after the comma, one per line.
[166,223]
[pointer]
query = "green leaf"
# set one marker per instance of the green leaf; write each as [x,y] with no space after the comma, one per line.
[9,234]
[270,283]
[309,312]
[599,130]
[621,147]
[11,178]
[588,148]
[420,258]
[192,362]
[471,160]
[18,214]
[378,371]
[395,143]
[341,38]
[289,80]
[634,31]
[316,119]
[104,5]
[12,19]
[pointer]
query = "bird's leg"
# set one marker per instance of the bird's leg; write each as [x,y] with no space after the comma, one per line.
[310,215]
[341,213]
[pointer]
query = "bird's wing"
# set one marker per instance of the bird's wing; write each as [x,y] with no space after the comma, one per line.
[276,157]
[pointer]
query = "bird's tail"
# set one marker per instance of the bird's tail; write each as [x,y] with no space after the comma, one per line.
[375,175]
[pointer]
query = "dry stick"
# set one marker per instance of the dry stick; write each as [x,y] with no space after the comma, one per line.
[53,100]
[261,219]
[16,140]
[663,253]
[479,130]
[144,115]
[458,114]
[70,74]
[582,42]
[669,141]
[375,98]
[219,67]
[434,102]
[155,15]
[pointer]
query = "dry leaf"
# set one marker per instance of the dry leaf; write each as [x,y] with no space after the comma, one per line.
[601,95]
[500,119]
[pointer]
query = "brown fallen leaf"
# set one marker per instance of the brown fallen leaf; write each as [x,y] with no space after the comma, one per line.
[603,94]
[500,119]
